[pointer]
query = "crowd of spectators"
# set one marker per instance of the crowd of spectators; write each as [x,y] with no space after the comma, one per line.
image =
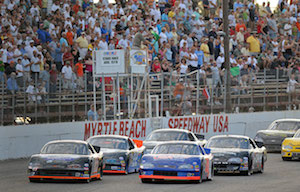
[43,40]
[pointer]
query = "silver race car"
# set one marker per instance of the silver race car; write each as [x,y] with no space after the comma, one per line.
[278,130]
[121,155]
[66,160]
[236,154]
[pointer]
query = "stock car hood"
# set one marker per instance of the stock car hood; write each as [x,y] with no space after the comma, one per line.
[292,141]
[107,151]
[58,160]
[114,156]
[273,136]
[170,161]
[225,154]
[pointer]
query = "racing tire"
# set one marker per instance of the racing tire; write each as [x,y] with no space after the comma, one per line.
[201,175]
[126,168]
[101,172]
[262,166]
[146,180]
[212,173]
[249,171]
[286,158]
[34,180]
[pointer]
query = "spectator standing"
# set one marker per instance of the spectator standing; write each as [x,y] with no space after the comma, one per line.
[12,89]
[82,45]
[67,74]
[20,71]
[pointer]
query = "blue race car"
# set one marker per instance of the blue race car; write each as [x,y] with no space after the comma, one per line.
[177,160]
[121,155]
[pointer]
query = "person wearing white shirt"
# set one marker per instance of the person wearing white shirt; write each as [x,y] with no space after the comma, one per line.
[220,60]
[123,42]
[19,70]
[288,28]
[275,46]
[26,64]
[55,6]
[30,48]
[193,60]
[67,73]
[163,36]
[35,67]
[103,44]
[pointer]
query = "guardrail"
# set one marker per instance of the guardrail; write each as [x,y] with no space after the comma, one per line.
[263,91]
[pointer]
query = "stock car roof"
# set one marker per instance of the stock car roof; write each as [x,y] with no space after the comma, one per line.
[67,141]
[235,136]
[175,130]
[290,119]
[115,136]
[179,142]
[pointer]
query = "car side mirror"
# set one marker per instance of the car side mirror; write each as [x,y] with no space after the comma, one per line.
[200,137]
[207,150]
[97,149]
[259,144]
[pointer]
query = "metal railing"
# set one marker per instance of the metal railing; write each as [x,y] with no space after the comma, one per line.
[128,96]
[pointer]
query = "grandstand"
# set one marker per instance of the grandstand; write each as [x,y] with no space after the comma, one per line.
[47,50]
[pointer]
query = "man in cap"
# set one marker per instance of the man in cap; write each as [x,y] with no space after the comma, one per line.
[138,39]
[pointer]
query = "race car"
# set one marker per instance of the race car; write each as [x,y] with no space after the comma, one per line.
[121,155]
[66,160]
[290,148]
[277,132]
[177,160]
[236,154]
[165,135]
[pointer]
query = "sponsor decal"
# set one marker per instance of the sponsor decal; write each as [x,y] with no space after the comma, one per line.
[200,124]
[131,128]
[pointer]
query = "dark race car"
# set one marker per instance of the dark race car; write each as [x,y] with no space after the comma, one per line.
[236,154]
[277,132]
[121,155]
[177,160]
[66,160]
[164,135]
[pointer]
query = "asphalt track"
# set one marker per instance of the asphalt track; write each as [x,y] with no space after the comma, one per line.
[279,176]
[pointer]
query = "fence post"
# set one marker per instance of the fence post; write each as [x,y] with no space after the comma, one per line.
[59,89]
[48,100]
[264,89]
[162,95]
[73,99]
[277,91]
[85,95]
[103,97]
[25,103]
[36,96]
[197,94]
[224,94]
[2,101]
[119,99]
[114,98]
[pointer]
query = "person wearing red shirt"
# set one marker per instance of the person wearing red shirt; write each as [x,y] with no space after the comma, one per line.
[156,68]
[76,7]
[79,73]
[70,36]
[240,25]
[67,56]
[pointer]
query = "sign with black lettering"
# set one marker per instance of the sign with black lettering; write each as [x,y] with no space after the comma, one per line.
[109,61]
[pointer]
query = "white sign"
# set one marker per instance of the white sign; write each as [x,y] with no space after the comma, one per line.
[138,61]
[109,61]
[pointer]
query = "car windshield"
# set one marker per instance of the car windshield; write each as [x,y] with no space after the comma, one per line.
[168,136]
[187,149]
[109,143]
[65,148]
[297,135]
[228,142]
[285,126]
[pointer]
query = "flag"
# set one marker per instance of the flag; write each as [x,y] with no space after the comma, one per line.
[155,35]
[206,93]
[235,71]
